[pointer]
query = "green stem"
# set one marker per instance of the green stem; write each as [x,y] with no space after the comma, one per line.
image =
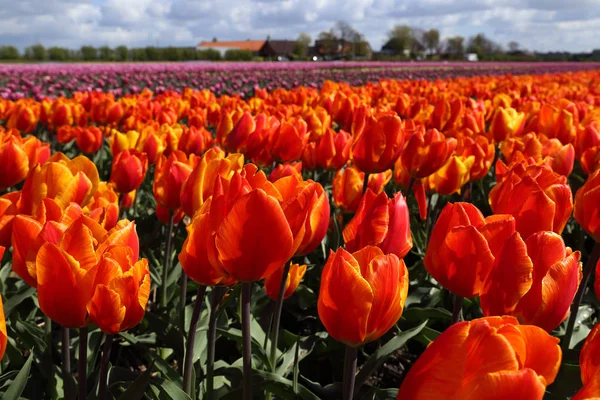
[104,367]
[82,362]
[247,341]
[215,301]
[456,309]
[66,363]
[189,351]
[277,317]
[349,372]
[587,272]
[182,300]
[166,263]
[365,183]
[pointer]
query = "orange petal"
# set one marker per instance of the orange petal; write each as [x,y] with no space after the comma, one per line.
[255,238]
[105,310]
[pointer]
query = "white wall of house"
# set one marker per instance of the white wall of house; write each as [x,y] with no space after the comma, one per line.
[220,49]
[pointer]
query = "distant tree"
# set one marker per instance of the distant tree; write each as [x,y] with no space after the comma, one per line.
[89,53]
[36,52]
[302,43]
[139,54]
[483,46]
[153,54]
[209,54]
[122,53]
[455,45]
[513,46]
[173,54]
[9,53]
[400,38]
[328,43]
[214,39]
[432,40]
[58,54]
[106,53]
[349,37]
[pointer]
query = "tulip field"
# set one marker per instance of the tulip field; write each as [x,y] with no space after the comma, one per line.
[300,231]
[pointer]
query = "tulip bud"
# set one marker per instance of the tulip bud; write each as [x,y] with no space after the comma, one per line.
[587,199]
[273,281]
[128,170]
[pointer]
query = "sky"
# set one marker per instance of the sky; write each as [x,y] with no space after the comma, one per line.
[542,25]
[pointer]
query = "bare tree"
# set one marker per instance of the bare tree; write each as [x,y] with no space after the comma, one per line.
[455,45]
[513,46]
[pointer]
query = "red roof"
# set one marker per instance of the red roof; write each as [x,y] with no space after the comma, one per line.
[252,45]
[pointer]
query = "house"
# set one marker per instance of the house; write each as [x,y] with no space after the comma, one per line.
[277,49]
[340,49]
[252,45]
[472,57]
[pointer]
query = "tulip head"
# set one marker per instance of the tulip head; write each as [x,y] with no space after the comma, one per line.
[273,281]
[129,169]
[380,222]
[287,169]
[538,198]
[362,294]
[377,147]
[586,212]
[506,123]
[487,358]
[348,187]
[90,139]
[169,177]
[534,280]
[590,367]
[426,152]
[462,247]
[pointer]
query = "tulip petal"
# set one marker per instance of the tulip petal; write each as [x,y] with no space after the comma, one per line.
[106,310]
[255,238]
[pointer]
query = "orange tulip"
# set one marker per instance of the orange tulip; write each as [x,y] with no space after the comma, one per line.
[506,123]
[241,233]
[169,176]
[590,367]
[15,164]
[128,171]
[586,212]
[273,281]
[195,141]
[306,207]
[333,149]
[121,289]
[534,280]
[63,180]
[463,245]
[427,152]
[380,222]
[362,294]
[199,185]
[491,358]
[68,273]
[37,151]
[348,187]
[377,147]
[104,207]
[452,176]
[483,152]
[562,156]
[587,138]
[3,334]
[288,142]
[287,169]
[29,234]
[590,160]
[558,122]
[538,198]
[8,211]
[89,140]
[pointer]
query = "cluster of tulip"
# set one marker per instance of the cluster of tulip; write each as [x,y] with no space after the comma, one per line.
[297,184]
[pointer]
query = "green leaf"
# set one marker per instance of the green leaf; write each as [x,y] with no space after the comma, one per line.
[567,382]
[420,314]
[138,387]
[172,391]
[261,380]
[384,352]
[24,292]
[18,385]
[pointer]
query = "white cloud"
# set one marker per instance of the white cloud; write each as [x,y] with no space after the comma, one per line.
[535,24]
